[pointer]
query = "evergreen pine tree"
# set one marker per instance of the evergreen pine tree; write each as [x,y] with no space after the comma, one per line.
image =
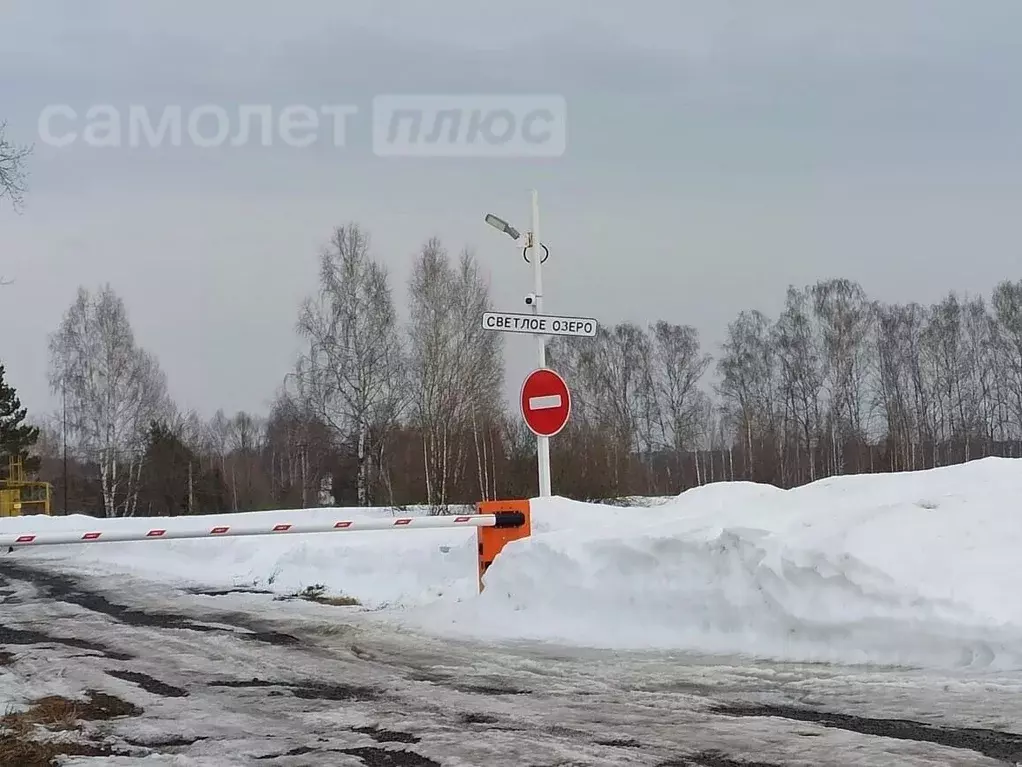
[16,437]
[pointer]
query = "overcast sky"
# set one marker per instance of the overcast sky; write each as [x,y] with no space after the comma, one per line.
[716,152]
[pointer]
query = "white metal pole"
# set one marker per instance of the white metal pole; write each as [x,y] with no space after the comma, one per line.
[542,443]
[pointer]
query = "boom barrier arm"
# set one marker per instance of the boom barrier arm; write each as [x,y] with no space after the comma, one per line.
[115,535]
[502,522]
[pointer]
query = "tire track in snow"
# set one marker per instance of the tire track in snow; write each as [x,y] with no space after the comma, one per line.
[1005,746]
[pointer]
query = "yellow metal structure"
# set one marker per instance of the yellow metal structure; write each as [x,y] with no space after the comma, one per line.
[19,496]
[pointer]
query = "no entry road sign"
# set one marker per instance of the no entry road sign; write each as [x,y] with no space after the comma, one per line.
[540,324]
[546,402]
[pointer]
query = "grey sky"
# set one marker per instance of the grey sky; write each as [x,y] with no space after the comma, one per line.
[717,151]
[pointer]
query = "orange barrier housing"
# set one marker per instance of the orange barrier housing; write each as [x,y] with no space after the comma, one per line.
[514,522]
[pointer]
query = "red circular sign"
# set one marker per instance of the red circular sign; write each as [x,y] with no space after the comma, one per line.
[546,402]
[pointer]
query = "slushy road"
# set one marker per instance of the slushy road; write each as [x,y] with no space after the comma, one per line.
[228,678]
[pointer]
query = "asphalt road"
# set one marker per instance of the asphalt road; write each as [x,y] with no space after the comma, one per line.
[241,679]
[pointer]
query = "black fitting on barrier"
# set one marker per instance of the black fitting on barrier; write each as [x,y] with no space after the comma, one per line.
[509,518]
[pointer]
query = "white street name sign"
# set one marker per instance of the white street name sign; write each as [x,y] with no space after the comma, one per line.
[540,324]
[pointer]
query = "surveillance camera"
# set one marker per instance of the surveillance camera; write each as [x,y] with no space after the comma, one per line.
[530,299]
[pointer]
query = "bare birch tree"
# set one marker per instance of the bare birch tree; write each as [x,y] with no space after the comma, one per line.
[749,384]
[573,357]
[678,367]
[798,351]
[12,169]
[456,368]
[113,389]
[353,366]
[893,384]
[905,389]
[217,435]
[612,392]
[981,386]
[945,350]
[845,316]
[246,437]
[1007,304]
[481,372]
[12,174]
[299,445]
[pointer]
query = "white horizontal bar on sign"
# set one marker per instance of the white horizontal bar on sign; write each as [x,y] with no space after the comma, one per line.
[547,402]
[114,533]
[540,324]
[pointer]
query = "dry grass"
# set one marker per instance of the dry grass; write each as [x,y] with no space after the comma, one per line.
[25,752]
[318,594]
[20,732]
[338,601]
[55,713]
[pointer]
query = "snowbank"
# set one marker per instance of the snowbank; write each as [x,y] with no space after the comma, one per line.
[915,568]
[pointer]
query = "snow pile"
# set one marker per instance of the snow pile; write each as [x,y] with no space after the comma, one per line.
[908,568]
[913,568]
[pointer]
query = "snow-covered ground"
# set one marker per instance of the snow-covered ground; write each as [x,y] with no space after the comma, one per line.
[911,569]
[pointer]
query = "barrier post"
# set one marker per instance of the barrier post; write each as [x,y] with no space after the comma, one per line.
[514,522]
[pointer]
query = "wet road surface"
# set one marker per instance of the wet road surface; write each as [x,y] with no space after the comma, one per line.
[225,678]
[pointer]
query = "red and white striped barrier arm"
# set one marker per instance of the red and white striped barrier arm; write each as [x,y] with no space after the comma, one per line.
[116,533]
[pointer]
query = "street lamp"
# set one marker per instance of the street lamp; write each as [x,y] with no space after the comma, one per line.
[503,226]
[533,241]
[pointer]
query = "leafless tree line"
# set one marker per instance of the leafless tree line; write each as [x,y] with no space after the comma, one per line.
[110,391]
[841,384]
[361,394]
[383,412]
[364,379]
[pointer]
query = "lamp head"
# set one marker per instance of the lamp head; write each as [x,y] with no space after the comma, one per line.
[502,226]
